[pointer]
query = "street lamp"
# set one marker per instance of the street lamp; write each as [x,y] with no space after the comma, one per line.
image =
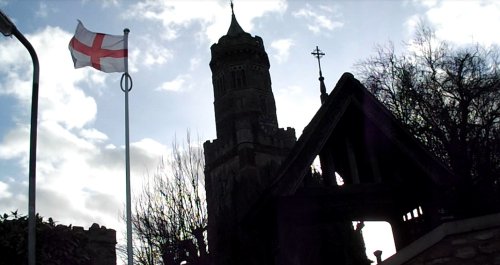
[8,28]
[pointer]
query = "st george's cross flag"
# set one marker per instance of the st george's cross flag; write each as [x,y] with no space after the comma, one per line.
[104,52]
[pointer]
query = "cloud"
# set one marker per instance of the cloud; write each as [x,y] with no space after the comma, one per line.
[319,19]
[80,174]
[44,10]
[105,3]
[59,98]
[291,90]
[93,135]
[17,143]
[99,201]
[134,59]
[461,21]
[147,153]
[424,3]
[179,84]
[282,48]
[154,54]
[4,191]
[194,63]
[110,3]
[176,16]
[291,98]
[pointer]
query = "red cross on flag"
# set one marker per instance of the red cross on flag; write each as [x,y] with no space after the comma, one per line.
[102,51]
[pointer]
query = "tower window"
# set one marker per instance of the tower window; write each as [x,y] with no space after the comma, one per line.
[239,79]
[219,87]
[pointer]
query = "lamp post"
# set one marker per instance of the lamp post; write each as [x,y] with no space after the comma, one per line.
[8,28]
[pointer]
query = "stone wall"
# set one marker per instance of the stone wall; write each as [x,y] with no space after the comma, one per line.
[101,244]
[464,242]
[478,247]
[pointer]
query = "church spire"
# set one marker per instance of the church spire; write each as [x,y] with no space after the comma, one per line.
[235,28]
[318,54]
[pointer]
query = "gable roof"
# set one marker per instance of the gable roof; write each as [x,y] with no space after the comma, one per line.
[351,99]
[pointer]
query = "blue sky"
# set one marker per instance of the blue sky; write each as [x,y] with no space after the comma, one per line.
[80,151]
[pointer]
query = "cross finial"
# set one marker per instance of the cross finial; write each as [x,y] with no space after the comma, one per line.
[318,54]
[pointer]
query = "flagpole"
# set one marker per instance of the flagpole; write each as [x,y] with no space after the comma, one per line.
[130,250]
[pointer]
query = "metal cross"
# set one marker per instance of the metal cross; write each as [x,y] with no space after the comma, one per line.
[318,54]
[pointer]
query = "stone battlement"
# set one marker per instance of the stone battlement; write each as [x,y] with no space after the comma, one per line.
[97,233]
[101,244]
[283,139]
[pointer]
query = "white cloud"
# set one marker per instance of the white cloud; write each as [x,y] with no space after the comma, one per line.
[179,84]
[153,53]
[134,59]
[462,21]
[79,173]
[44,10]
[282,48]
[176,16]
[105,3]
[4,191]
[17,143]
[156,57]
[291,98]
[147,153]
[93,135]
[108,3]
[318,19]
[426,3]
[291,90]
[194,63]
[59,97]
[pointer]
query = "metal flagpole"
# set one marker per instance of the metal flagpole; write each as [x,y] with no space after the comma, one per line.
[126,89]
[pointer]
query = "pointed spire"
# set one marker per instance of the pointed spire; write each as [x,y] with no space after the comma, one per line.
[235,28]
[318,54]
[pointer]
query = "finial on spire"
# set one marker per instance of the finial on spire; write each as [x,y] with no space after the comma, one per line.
[318,54]
[235,28]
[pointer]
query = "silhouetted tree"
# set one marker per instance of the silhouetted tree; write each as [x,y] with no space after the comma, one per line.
[56,244]
[170,219]
[449,98]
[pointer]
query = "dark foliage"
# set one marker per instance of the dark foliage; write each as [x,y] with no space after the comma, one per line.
[56,244]
[449,98]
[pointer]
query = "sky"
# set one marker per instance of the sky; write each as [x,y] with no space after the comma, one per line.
[80,158]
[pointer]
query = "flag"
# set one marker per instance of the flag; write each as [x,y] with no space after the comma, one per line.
[104,52]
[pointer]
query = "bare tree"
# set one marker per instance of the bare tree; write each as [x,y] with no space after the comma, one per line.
[449,98]
[170,219]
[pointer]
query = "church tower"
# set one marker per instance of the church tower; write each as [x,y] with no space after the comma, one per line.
[249,147]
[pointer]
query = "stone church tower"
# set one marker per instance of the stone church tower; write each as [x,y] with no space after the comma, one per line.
[243,159]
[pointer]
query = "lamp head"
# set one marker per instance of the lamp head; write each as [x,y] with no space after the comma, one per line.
[6,26]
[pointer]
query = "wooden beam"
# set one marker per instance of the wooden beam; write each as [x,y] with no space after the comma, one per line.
[353,165]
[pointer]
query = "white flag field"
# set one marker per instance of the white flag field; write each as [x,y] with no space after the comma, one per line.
[104,52]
